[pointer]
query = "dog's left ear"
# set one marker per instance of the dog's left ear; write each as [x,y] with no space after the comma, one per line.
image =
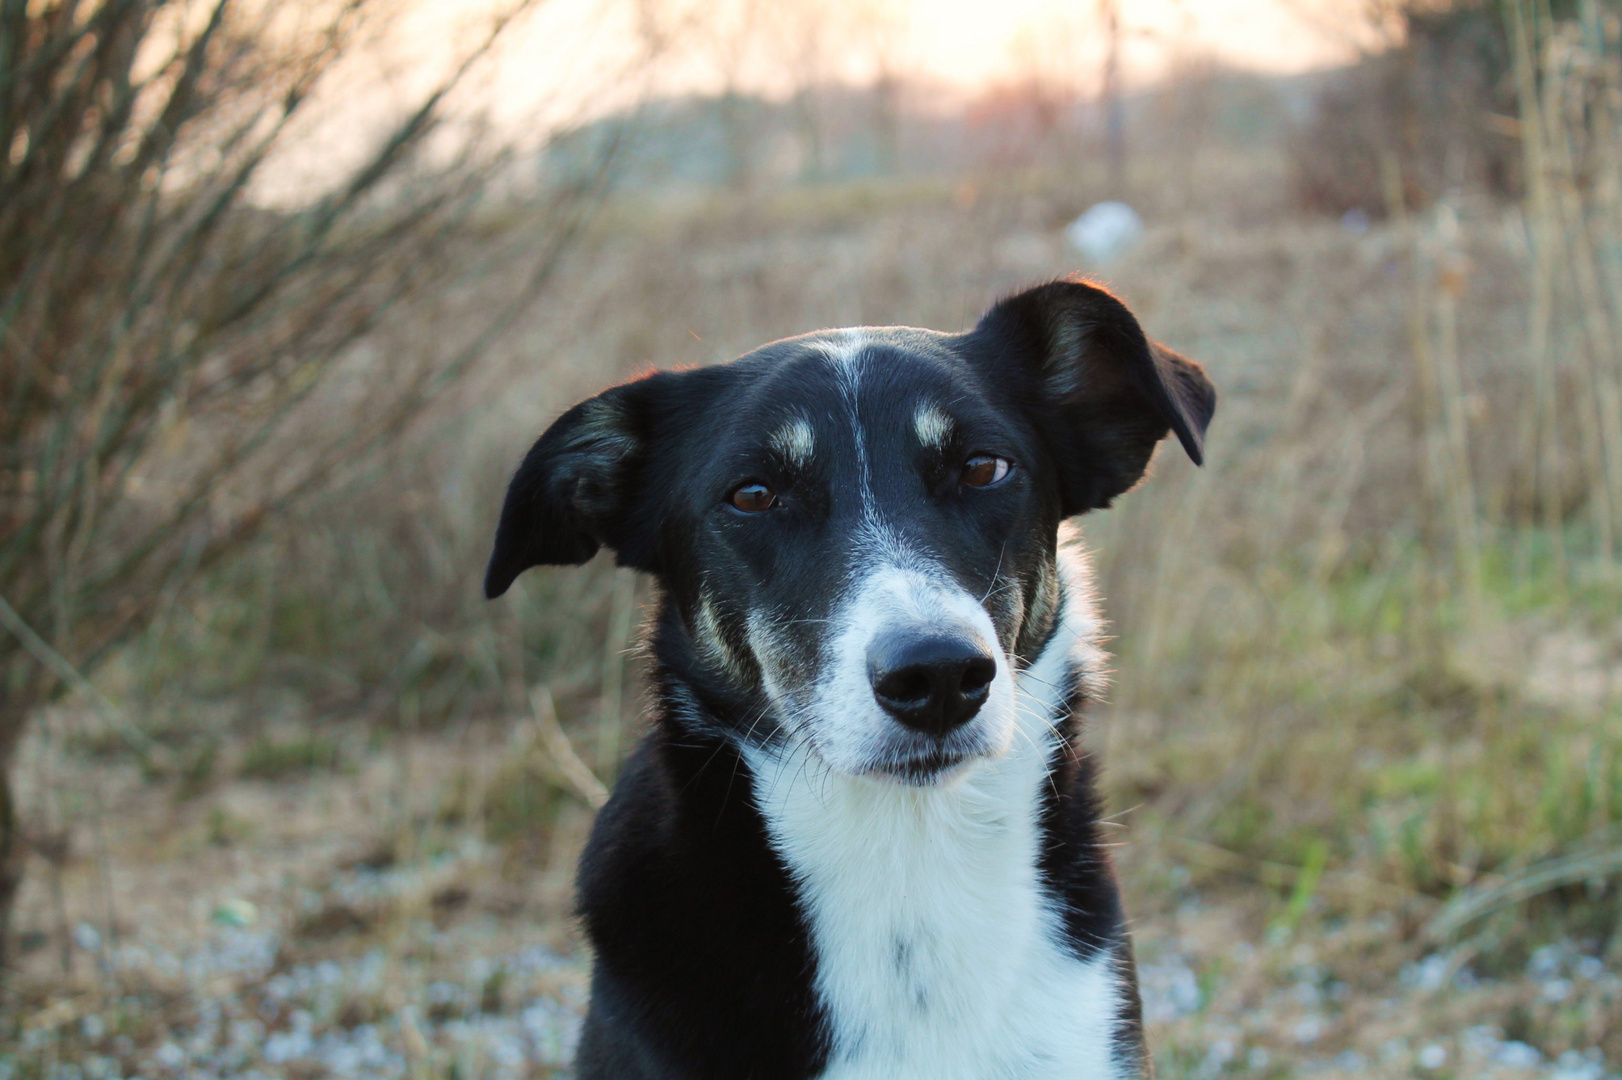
[1102,394]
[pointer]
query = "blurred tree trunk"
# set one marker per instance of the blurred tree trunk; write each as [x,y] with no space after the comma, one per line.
[1114,107]
[887,122]
[19,695]
[11,853]
[808,119]
[736,133]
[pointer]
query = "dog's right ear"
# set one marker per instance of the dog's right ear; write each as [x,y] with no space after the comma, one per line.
[575,488]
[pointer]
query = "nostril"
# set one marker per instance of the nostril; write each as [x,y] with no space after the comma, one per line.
[905,687]
[977,675]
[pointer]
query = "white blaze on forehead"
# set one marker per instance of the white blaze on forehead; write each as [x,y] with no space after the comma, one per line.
[845,346]
[932,426]
[873,539]
[795,441]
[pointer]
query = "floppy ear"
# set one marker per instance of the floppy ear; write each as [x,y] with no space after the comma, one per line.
[1101,393]
[575,488]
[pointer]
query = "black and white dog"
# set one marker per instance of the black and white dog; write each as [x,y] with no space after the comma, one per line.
[860,840]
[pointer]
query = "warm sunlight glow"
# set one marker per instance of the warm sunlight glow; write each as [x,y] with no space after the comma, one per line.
[970,42]
[569,61]
[959,45]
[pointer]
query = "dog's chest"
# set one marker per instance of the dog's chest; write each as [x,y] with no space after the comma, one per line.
[938,953]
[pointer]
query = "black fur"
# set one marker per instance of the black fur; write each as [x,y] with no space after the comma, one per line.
[679,888]
[704,963]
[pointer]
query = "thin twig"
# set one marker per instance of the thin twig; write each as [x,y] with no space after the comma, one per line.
[59,665]
[555,741]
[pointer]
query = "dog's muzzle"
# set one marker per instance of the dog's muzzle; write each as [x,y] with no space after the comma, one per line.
[932,684]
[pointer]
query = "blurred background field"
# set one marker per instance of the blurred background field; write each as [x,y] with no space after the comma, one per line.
[290,799]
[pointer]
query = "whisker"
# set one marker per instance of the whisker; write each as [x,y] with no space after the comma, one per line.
[995,574]
[738,762]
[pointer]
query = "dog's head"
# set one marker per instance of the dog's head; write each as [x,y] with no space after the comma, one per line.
[856,529]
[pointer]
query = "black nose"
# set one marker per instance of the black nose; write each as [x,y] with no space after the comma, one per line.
[930,684]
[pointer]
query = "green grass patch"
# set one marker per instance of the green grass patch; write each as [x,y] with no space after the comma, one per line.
[271,759]
[1371,719]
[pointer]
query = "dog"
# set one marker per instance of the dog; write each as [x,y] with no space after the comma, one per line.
[860,841]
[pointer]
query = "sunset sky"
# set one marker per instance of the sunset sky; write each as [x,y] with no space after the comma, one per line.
[572,60]
[974,41]
[578,50]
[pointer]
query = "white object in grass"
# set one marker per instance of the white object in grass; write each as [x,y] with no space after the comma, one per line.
[1105,232]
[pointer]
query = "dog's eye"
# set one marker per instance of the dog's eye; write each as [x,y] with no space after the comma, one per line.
[983,470]
[754,497]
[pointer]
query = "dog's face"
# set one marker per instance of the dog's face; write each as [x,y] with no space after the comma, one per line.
[856,529]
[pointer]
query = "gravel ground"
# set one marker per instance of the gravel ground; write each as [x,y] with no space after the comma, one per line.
[388,1003]
[301,948]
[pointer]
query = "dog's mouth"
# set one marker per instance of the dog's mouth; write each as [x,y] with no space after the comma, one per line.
[924,769]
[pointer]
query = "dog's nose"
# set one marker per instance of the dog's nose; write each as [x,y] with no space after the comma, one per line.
[931,684]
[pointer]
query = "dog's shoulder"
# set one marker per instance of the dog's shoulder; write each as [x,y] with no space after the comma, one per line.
[679,888]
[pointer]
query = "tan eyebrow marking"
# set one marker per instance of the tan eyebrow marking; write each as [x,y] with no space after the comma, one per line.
[795,441]
[932,426]
[712,640]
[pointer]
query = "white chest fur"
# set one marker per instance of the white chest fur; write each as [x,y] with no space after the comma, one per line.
[938,955]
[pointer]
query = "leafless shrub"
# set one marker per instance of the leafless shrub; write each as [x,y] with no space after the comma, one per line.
[164,335]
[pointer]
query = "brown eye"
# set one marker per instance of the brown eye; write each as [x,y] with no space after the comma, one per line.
[753,498]
[983,470]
